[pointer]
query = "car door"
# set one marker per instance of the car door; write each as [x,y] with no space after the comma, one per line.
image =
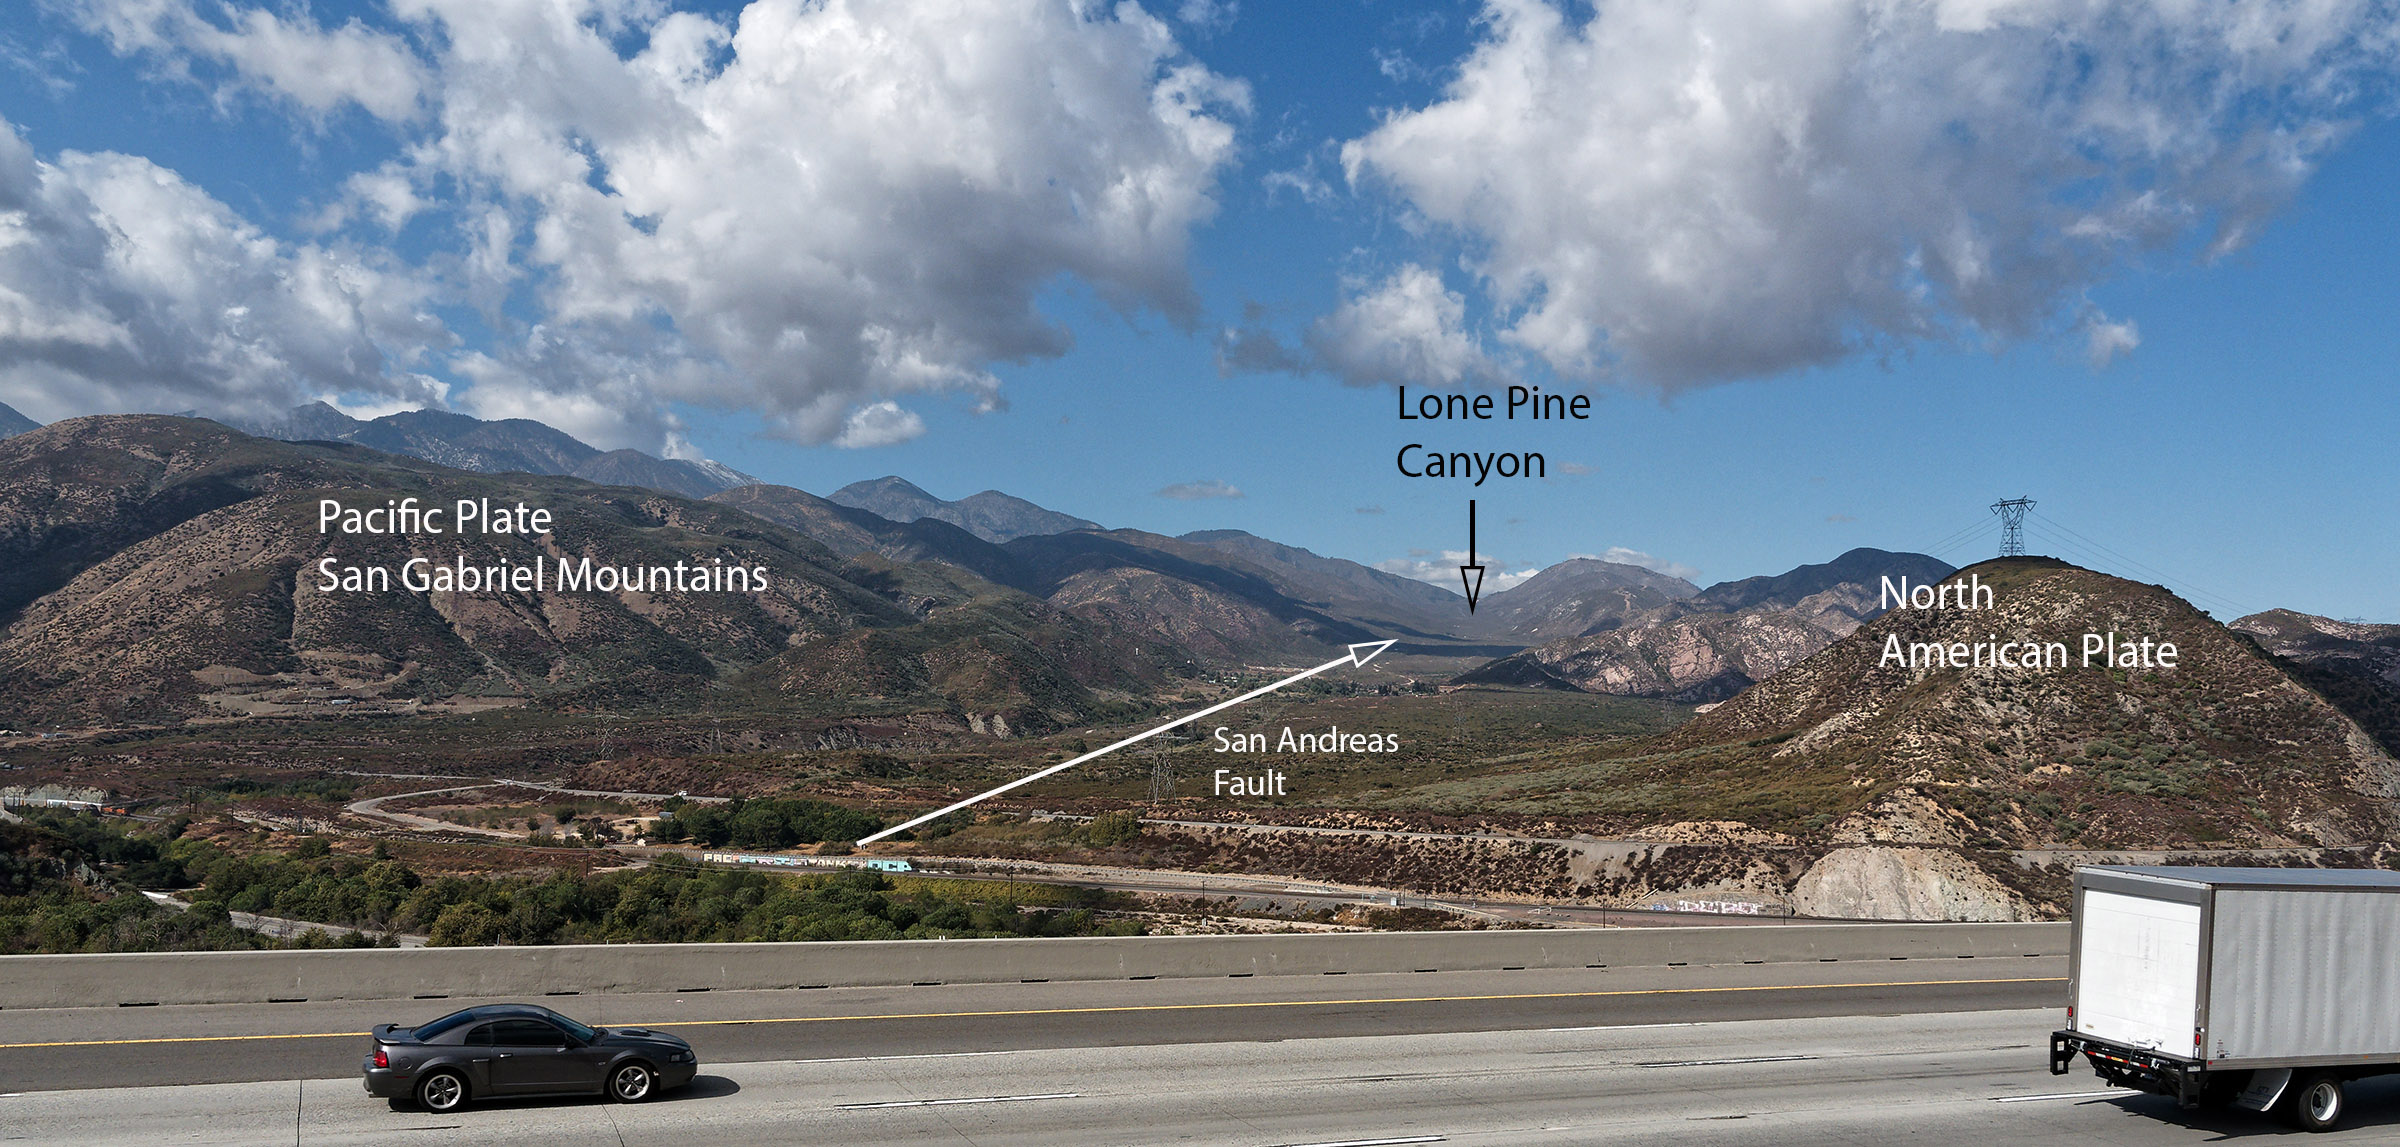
[529,1056]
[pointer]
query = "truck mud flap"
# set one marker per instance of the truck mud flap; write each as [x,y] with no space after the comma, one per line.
[2266,1086]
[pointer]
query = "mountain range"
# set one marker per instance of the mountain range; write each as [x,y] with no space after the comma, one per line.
[506,446]
[1217,596]
[13,423]
[1708,645]
[990,515]
[156,569]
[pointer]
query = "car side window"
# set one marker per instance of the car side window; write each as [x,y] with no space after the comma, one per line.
[526,1033]
[481,1037]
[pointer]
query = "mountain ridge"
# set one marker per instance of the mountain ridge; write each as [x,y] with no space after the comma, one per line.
[991,515]
[508,445]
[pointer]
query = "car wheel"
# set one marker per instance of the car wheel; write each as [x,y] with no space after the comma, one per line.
[631,1083]
[442,1091]
[2318,1104]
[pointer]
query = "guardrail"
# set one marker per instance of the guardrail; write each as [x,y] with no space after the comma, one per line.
[111,980]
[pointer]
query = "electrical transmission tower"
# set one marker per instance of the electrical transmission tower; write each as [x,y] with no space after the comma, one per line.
[1162,780]
[2012,525]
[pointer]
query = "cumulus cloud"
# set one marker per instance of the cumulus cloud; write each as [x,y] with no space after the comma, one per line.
[807,209]
[289,57]
[1678,193]
[1631,557]
[1407,328]
[124,287]
[1202,489]
[1442,570]
[879,424]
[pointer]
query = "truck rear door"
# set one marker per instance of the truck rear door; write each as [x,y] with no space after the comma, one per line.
[2137,971]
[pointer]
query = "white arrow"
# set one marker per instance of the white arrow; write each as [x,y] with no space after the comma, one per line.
[1359,654]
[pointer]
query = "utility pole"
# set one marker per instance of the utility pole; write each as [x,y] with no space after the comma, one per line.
[2012,525]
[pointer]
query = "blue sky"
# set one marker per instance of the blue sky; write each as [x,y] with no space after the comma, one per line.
[1825,293]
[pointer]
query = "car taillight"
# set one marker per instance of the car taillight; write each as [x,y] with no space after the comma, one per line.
[382,1060]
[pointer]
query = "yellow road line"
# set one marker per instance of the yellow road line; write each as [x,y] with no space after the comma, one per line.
[1120,1008]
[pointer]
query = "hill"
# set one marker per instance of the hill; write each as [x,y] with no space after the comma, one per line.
[13,423]
[2225,747]
[990,515]
[1576,597]
[1714,643]
[2354,664]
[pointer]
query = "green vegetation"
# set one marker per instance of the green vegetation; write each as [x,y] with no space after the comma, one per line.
[765,823]
[66,886]
[56,897]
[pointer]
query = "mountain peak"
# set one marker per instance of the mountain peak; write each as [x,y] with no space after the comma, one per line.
[13,423]
[991,515]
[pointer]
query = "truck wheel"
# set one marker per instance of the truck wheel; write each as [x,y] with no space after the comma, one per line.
[2317,1104]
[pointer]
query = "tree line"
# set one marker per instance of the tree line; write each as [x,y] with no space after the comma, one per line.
[67,884]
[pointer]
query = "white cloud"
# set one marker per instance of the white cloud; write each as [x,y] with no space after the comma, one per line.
[123,287]
[295,59]
[2105,341]
[1443,570]
[1208,15]
[805,210]
[1202,489]
[879,424]
[1631,557]
[1408,328]
[824,206]
[1678,193]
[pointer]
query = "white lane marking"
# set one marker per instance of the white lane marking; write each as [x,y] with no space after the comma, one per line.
[921,1055]
[1373,1142]
[1726,1062]
[2063,1095]
[1627,1027]
[953,1102]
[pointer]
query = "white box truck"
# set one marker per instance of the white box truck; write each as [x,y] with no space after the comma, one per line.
[2269,988]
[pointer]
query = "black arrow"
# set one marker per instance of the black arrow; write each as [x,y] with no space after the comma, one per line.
[1472,572]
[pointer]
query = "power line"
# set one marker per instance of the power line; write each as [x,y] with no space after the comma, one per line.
[1959,537]
[2152,570]
[2094,553]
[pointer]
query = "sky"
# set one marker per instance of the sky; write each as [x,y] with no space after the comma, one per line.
[1836,273]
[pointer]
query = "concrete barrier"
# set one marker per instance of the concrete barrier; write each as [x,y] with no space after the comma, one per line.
[103,980]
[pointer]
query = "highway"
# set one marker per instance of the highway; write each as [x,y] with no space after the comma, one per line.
[1855,1052]
[1943,1076]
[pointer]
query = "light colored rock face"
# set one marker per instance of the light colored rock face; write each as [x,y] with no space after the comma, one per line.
[1879,883]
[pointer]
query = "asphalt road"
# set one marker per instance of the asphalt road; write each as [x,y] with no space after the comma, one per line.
[71,1048]
[1868,1080]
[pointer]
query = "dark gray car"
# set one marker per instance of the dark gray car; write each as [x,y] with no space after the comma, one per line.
[520,1049]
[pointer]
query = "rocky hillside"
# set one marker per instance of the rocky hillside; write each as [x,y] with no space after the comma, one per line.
[2352,648]
[2355,665]
[2226,747]
[156,569]
[1575,597]
[1711,644]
